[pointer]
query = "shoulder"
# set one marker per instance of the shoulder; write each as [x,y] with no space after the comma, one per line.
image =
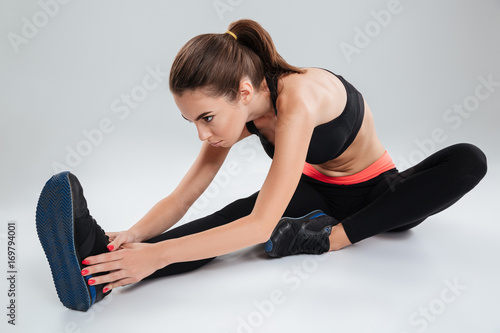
[316,91]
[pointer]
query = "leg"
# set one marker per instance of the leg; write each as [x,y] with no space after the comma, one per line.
[411,196]
[304,200]
[231,212]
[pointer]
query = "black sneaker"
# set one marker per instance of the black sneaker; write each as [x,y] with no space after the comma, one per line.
[307,234]
[69,234]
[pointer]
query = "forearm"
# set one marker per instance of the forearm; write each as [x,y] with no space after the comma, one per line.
[160,217]
[227,238]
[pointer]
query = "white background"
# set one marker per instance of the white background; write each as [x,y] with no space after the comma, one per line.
[69,73]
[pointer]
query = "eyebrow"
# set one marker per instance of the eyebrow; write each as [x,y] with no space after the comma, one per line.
[197,118]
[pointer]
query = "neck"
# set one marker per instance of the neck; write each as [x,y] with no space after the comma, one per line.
[262,105]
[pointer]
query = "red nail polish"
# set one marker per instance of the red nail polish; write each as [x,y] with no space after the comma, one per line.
[105,290]
[85,262]
[110,247]
[91,281]
[85,272]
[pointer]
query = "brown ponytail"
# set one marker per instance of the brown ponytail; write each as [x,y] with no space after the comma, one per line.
[217,62]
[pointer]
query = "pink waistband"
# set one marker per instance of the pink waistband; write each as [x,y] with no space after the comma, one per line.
[381,165]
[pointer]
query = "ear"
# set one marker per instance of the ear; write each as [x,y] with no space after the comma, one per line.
[246,91]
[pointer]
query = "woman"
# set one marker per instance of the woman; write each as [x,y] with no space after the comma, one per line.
[330,173]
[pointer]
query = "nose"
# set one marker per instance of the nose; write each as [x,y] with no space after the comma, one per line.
[203,133]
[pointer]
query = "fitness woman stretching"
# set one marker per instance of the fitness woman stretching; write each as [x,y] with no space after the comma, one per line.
[330,174]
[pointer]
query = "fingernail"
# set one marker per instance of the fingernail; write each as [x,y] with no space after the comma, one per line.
[110,247]
[105,290]
[85,262]
[85,272]
[91,281]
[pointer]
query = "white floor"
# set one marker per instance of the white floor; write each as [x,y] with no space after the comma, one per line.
[440,277]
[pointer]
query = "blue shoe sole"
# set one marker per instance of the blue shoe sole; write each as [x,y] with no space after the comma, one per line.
[55,228]
[282,226]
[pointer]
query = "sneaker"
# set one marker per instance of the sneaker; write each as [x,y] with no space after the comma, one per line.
[69,234]
[307,234]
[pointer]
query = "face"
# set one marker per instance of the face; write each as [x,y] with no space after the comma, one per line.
[218,121]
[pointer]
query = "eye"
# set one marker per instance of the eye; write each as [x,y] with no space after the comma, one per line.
[208,118]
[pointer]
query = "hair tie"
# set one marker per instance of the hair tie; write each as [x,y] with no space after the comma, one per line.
[232,34]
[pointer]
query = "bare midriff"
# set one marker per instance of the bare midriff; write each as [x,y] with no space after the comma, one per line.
[365,150]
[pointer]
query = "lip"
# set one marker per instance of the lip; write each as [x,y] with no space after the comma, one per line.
[216,144]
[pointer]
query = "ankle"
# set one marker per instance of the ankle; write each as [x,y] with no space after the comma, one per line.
[338,238]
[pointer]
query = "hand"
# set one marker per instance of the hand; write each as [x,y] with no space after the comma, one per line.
[130,264]
[116,239]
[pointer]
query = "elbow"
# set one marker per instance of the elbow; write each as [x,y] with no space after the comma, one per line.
[263,228]
[263,236]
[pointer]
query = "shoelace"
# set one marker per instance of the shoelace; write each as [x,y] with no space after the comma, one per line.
[306,241]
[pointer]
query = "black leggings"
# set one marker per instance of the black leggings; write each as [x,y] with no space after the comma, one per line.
[392,201]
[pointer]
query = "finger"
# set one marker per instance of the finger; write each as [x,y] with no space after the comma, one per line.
[129,245]
[117,242]
[112,235]
[101,268]
[115,284]
[101,258]
[111,277]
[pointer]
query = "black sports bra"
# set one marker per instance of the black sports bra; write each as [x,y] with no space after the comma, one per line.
[331,139]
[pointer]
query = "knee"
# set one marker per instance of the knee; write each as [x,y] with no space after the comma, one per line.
[473,160]
[469,168]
